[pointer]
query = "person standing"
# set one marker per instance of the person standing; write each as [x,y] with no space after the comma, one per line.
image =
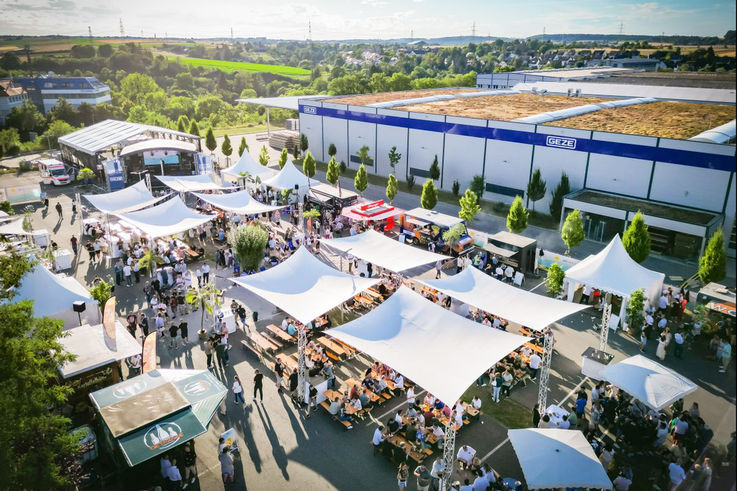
[190,463]
[220,354]
[173,330]
[726,355]
[143,322]
[258,385]
[678,348]
[278,374]
[175,477]
[535,362]
[660,351]
[206,272]
[402,476]
[75,246]
[58,210]
[497,384]
[208,352]
[127,270]
[164,464]
[184,333]
[74,206]
[237,391]
[423,478]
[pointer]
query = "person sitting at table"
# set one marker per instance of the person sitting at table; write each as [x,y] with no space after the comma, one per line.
[465,457]
[429,399]
[410,431]
[410,396]
[411,412]
[380,385]
[379,440]
[364,398]
[356,403]
[291,329]
[439,405]
[399,383]
[392,426]
[336,409]
[439,434]
[429,416]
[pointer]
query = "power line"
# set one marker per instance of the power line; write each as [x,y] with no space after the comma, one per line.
[621,28]
[122,31]
[473,30]
[89,31]
[309,30]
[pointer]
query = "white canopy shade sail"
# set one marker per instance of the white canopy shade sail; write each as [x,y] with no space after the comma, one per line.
[650,382]
[128,199]
[480,290]
[246,163]
[379,249]
[438,350]
[554,458]
[303,286]
[613,270]
[88,344]
[51,293]
[168,218]
[290,176]
[239,202]
[185,184]
[14,228]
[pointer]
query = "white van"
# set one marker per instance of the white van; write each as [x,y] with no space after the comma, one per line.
[53,172]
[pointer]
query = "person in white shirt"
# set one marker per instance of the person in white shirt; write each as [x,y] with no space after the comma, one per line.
[662,323]
[175,477]
[476,402]
[127,270]
[649,320]
[663,302]
[398,418]
[499,272]
[535,362]
[399,382]
[465,456]
[509,273]
[206,272]
[378,438]
[134,363]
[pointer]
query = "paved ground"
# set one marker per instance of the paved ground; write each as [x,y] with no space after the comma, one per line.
[282,450]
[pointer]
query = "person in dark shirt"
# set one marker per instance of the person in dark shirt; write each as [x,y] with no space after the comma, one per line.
[258,385]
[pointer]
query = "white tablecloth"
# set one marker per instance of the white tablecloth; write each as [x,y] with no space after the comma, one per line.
[228,319]
[556,414]
[62,259]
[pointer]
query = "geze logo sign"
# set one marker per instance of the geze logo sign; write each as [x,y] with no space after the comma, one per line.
[310,109]
[561,142]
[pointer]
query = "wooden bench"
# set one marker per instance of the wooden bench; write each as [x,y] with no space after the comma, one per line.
[326,407]
[334,347]
[279,333]
[262,342]
[535,347]
[287,361]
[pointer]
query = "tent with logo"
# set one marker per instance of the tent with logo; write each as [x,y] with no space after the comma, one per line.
[147,415]
[128,199]
[240,202]
[168,218]
[247,164]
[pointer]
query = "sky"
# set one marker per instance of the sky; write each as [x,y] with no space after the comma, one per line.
[344,19]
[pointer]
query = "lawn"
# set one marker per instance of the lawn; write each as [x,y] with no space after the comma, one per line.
[238,66]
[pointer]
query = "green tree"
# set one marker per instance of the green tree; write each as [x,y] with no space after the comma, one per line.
[636,238]
[635,307]
[713,264]
[304,144]
[556,202]
[263,156]
[182,123]
[101,292]
[434,169]
[333,172]
[243,146]
[136,86]
[206,296]
[342,167]
[13,267]
[572,231]
[26,119]
[555,278]
[363,155]
[36,452]
[194,129]
[283,157]
[456,188]
[332,150]
[210,141]
[478,186]
[469,206]
[536,188]
[249,244]
[63,111]
[85,174]
[410,182]
[9,138]
[7,208]
[226,147]
[391,188]
[308,164]
[361,179]
[56,130]
[429,196]
[149,261]
[394,157]
[517,216]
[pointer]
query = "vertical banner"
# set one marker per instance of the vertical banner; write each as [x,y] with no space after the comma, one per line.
[149,352]
[114,172]
[148,181]
[108,324]
[204,163]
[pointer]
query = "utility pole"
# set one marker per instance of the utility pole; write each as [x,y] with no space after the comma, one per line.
[232,37]
[543,34]
[309,30]
[122,31]
[473,30]
[621,28]
[411,36]
[89,32]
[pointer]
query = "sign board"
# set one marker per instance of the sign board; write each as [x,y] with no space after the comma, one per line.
[722,308]
[114,171]
[230,439]
[204,163]
[108,324]
[22,194]
[158,157]
[149,352]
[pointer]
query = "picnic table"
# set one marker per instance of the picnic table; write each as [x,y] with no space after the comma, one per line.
[263,342]
[332,346]
[287,361]
[535,347]
[280,333]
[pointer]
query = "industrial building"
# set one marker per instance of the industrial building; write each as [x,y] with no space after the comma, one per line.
[46,91]
[667,151]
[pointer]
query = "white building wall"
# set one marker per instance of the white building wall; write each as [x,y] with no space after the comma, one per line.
[690,186]
[424,146]
[620,175]
[464,156]
[552,162]
[388,137]
[508,165]
[361,134]
[311,126]
[335,131]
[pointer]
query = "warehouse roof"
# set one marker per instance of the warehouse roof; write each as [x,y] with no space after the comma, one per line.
[288,102]
[108,133]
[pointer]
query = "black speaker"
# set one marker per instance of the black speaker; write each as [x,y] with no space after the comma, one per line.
[79,306]
[296,187]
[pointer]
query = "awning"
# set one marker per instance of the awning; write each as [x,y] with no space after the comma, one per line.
[303,286]
[554,458]
[51,293]
[650,382]
[158,410]
[168,218]
[128,199]
[480,290]
[379,249]
[366,211]
[87,344]
[184,184]
[240,202]
[247,164]
[506,253]
[437,349]
[289,177]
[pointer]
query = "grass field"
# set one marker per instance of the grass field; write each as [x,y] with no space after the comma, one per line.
[53,44]
[237,66]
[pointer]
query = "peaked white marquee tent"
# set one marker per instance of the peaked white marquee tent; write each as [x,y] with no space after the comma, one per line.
[14,228]
[290,176]
[650,382]
[128,199]
[480,290]
[54,295]
[184,184]
[168,218]
[303,286]
[379,249]
[613,270]
[440,351]
[239,202]
[246,163]
[554,458]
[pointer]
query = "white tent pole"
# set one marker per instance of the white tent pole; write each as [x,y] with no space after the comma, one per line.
[604,330]
[449,444]
[542,392]
[302,365]
[78,199]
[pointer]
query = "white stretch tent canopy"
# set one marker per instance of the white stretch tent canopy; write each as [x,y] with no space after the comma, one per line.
[288,177]
[613,270]
[480,290]
[440,351]
[379,249]
[168,218]
[239,202]
[129,199]
[554,458]
[184,184]
[53,295]
[303,286]
[88,344]
[649,381]
[14,228]
[247,164]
